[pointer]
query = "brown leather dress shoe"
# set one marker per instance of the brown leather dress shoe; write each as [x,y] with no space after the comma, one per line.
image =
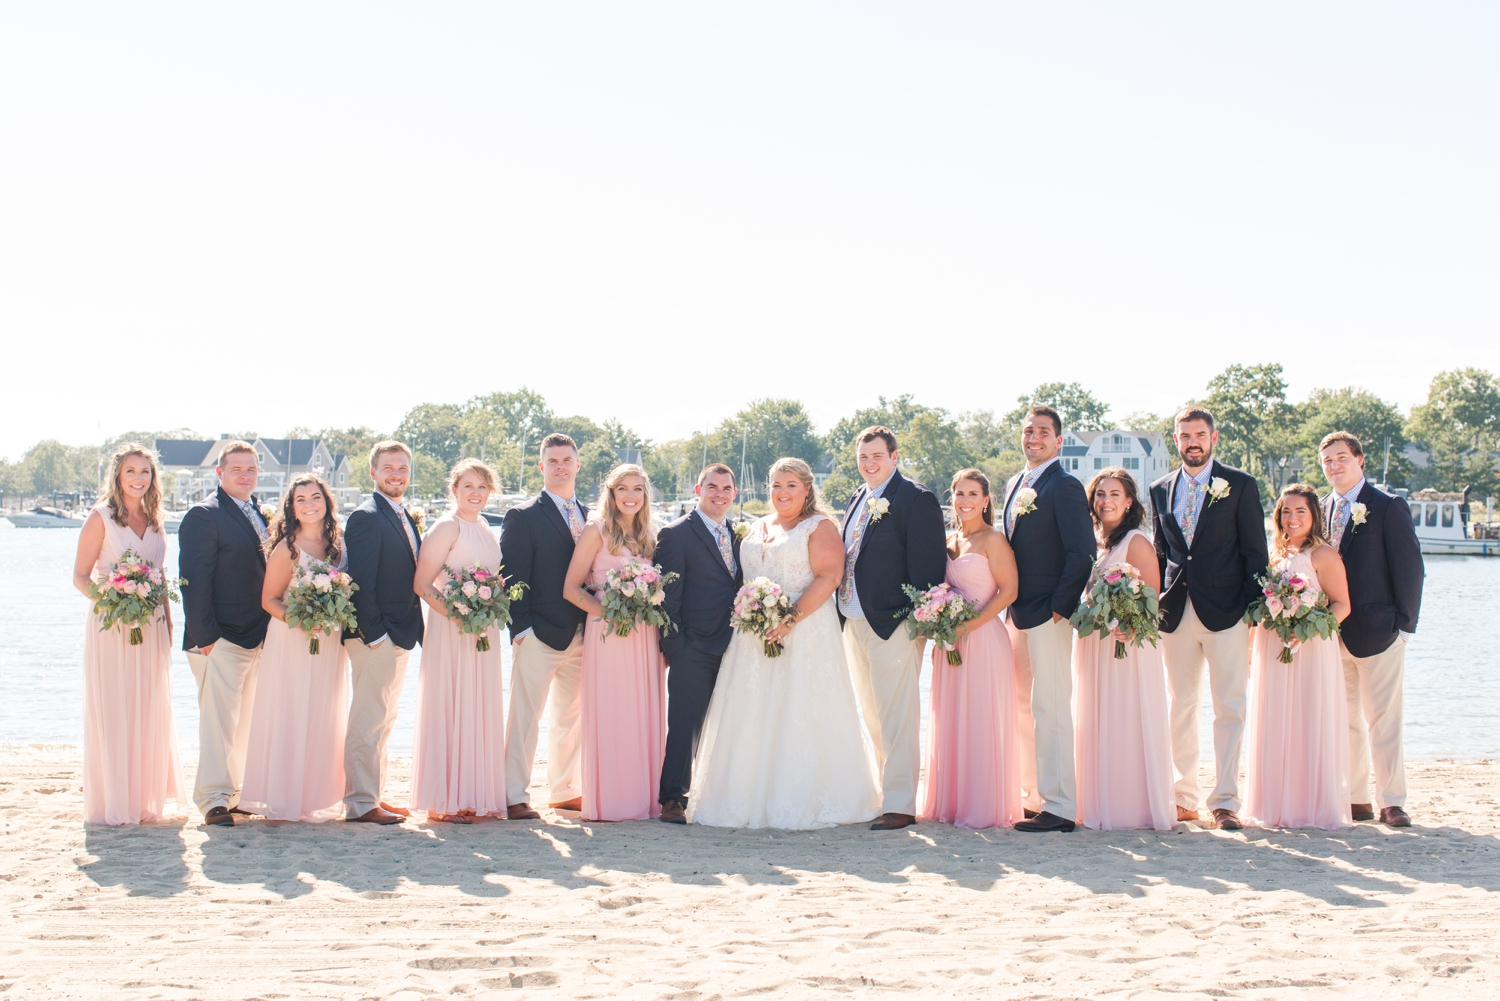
[219,816]
[1362,811]
[376,816]
[673,811]
[1183,813]
[893,822]
[568,804]
[1394,816]
[1227,820]
[521,811]
[1030,814]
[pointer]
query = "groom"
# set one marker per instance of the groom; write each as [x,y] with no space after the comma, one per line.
[703,550]
[893,535]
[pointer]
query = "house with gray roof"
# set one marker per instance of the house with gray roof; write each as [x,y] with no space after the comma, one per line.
[1143,454]
[188,468]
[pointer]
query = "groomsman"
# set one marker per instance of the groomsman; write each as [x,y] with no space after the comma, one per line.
[893,535]
[1210,536]
[1374,534]
[1048,523]
[382,540]
[546,634]
[702,548]
[224,625]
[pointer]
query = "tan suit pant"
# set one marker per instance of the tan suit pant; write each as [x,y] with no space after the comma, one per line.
[226,694]
[1227,653]
[1043,657]
[540,675]
[887,680]
[1373,687]
[376,677]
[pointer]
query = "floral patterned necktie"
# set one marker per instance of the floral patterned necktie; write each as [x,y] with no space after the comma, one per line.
[411,535]
[575,524]
[726,549]
[1190,513]
[846,586]
[1340,521]
[255,519]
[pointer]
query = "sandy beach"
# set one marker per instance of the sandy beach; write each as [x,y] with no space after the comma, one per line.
[562,908]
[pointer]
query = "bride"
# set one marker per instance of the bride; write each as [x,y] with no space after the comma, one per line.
[783,745]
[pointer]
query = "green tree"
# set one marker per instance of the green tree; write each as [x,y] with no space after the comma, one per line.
[897,414]
[1257,426]
[435,429]
[1080,409]
[52,467]
[1364,415]
[1459,429]
[934,449]
[429,477]
[15,480]
[768,430]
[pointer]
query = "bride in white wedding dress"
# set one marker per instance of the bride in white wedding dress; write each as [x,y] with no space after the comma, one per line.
[783,745]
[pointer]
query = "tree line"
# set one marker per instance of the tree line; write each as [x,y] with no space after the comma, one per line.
[1456,434]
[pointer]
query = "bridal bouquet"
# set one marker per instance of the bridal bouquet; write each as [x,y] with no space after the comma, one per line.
[1292,608]
[1119,601]
[759,607]
[130,592]
[936,615]
[476,599]
[320,601]
[633,595]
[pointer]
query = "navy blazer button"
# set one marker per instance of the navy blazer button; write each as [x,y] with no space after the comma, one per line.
[1189,557]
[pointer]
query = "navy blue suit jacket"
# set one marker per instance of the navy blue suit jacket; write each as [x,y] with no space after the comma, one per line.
[382,565]
[220,554]
[1054,545]
[536,546]
[700,600]
[1228,552]
[1383,561]
[905,546]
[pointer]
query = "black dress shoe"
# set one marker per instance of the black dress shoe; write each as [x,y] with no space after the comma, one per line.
[1045,822]
[1362,811]
[219,816]
[1394,816]
[242,813]
[674,811]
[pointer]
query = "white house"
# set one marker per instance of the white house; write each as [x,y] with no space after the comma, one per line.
[188,468]
[1143,454]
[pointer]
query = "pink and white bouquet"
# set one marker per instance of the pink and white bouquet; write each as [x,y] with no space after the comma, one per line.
[759,608]
[320,600]
[1120,604]
[129,593]
[633,595]
[936,614]
[477,599]
[1292,608]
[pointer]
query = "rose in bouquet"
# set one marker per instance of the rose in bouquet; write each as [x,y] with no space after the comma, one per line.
[476,599]
[936,614]
[1120,604]
[320,601]
[633,595]
[759,608]
[1292,608]
[129,593]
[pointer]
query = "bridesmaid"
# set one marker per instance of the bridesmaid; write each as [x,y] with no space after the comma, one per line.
[974,749]
[131,771]
[458,760]
[294,761]
[1121,738]
[1298,772]
[623,698]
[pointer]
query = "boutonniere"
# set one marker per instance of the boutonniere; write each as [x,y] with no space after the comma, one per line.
[267,513]
[740,531]
[1358,513]
[1218,489]
[1025,501]
[878,507]
[418,515]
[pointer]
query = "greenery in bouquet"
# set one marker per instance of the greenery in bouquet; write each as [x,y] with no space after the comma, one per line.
[129,593]
[1119,604]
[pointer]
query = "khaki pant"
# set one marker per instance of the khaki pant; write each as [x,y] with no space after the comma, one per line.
[376,675]
[226,695]
[887,675]
[535,671]
[1373,687]
[1228,655]
[1043,657]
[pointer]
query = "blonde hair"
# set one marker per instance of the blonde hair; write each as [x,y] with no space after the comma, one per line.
[814,502]
[114,497]
[484,469]
[388,445]
[640,537]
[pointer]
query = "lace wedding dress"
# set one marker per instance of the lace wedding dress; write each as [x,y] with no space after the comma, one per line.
[783,745]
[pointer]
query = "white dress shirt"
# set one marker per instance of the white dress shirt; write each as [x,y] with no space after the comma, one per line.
[1028,477]
[852,609]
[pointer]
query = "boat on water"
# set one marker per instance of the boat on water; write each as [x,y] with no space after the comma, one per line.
[45,517]
[1441,521]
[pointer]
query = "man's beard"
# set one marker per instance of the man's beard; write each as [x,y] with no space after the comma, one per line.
[1202,459]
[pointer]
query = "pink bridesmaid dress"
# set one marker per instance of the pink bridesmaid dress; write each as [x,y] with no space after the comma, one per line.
[1298,772]
[131,771]
[974,745]
[458,757]
[294,762]
[1122,741]
[624,713]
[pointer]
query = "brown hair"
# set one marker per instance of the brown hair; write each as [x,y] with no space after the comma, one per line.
[238,445]
[1134,515]
[800,469]
[1193,412]
[640,536]
[389,445]
[471,465]
[874,431]
[714,468]
[114,496]
[1355,448]
[556,440]
[1318,534]
[977,475]
[283,527]
[1042,410]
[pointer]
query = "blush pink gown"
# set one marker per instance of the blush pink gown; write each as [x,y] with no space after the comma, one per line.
[458,755]
[131,771]
[1122,741]
[1298,769]
[973,744]
[294,762]
[624,713]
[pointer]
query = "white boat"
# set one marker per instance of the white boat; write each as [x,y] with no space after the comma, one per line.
[44,517]
[1442,524]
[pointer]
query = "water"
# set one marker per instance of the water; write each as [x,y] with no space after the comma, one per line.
[1452,681]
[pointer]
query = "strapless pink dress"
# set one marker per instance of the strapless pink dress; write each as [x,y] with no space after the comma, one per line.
[973,743]
[624,705]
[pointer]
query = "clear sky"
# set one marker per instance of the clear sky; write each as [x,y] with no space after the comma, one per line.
[254,216]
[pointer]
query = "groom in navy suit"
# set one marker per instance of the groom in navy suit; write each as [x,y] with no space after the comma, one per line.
[702,549]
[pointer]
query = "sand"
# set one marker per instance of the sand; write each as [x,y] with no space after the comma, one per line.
[645,910]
